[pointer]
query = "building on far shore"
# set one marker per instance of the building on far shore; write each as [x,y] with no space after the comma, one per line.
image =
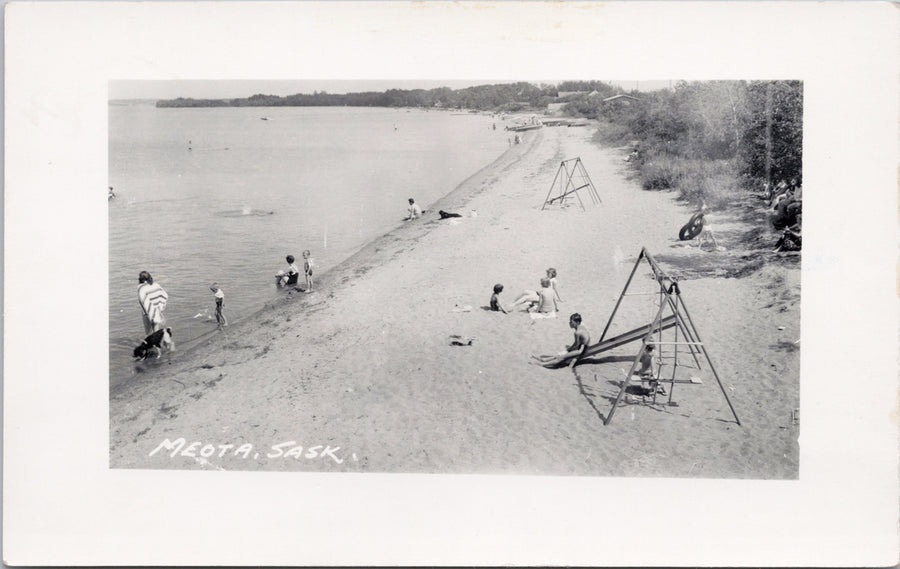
[624,100]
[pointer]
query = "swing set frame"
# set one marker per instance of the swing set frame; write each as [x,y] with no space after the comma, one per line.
[565,175]
[669,298]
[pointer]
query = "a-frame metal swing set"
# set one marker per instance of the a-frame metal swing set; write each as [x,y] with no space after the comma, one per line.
[685,335]
[571,177]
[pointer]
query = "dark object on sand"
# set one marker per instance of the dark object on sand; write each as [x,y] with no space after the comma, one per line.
[457,340]
[445,215]
[692,228]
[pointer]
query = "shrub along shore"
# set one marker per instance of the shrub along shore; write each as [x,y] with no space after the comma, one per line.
[716,143]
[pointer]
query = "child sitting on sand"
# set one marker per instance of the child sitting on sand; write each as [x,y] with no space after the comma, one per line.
[541,304]
[546,306]
[415,212]
[495,299]
[308,270]
[551,274]
[533,298]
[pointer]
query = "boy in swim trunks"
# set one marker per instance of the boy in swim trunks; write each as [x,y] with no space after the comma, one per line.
[582,340]
[308,270]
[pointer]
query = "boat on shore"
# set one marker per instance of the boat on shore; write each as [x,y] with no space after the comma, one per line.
[531,123]
[565,122]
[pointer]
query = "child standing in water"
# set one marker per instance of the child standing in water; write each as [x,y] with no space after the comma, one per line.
[220,305]
[308,270]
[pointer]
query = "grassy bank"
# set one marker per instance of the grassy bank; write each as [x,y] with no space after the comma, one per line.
[717,183]
[711,141]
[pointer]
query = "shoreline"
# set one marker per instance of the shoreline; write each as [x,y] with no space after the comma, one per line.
[370,249]
[364,364]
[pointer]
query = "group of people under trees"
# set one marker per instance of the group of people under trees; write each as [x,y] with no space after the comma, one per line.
[786,202]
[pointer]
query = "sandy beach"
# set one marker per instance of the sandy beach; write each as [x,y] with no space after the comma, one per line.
[362,374]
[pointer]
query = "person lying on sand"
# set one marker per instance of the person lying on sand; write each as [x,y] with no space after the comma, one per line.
[529,297]
[446,214]
[582,340]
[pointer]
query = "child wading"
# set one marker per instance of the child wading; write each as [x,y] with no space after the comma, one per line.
[292,275]
[220,305]
[308,270]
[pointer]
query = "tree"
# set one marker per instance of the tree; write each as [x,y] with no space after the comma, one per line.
[772,147]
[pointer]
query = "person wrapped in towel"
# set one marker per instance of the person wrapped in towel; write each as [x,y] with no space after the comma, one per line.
[152,299]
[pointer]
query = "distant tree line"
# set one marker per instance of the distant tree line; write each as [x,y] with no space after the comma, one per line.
[506,97]
[747,130]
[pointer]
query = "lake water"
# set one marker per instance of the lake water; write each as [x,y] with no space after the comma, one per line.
[224,194]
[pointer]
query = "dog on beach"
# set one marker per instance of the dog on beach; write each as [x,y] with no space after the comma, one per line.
[155,342]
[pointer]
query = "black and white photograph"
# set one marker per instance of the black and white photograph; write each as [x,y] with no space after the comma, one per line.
[386,280]
[376,283]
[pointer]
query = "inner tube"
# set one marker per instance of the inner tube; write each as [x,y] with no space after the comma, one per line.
[692,228]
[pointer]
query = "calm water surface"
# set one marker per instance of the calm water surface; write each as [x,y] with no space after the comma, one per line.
[224,194]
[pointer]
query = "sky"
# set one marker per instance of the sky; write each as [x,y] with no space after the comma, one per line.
[232,89]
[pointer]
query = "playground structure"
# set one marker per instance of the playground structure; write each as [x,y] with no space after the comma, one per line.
[683,341]
[571,177]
